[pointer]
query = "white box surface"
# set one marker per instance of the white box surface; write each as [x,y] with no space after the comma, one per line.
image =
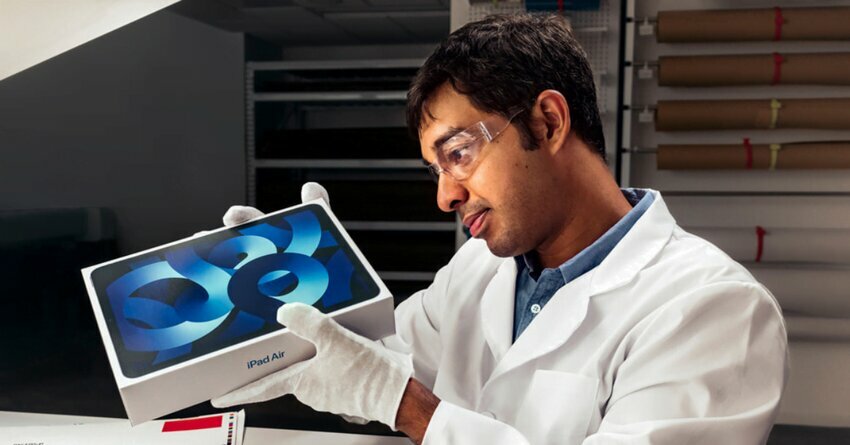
[194,319]
[224,429]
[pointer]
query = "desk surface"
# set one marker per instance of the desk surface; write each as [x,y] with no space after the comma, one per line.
[253,436]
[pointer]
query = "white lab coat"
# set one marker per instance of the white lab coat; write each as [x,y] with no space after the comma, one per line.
[667,341]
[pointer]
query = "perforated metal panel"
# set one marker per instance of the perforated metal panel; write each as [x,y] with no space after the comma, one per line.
[592,31]
[479,10]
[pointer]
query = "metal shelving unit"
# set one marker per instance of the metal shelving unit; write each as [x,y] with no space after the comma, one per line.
[339,163]
[341,96]
[300,98]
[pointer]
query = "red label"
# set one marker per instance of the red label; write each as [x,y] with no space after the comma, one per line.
[201,423]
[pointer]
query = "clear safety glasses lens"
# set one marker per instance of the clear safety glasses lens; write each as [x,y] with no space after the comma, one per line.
[458,155]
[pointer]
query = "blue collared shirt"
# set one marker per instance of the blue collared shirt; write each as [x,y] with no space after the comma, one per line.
[534,288]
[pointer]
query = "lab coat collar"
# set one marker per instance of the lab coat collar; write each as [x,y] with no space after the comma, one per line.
[497,309]
[568,307]
[640,245]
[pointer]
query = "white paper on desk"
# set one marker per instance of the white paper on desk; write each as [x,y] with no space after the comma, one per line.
[218,429]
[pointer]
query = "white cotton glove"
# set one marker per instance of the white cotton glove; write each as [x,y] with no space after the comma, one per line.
[239,214]
[350,375]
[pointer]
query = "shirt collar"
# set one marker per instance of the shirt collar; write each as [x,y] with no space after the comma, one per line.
[593,255]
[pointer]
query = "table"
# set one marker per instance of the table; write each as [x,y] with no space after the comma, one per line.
[253,436]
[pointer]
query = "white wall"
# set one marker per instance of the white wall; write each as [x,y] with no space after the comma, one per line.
[23,42]
[147,120]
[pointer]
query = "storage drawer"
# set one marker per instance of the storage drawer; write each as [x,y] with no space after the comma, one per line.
[337,143]
[406,251]
[370,79]
[356,195]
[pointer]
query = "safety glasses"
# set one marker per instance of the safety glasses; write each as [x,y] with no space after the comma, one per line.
[459,155]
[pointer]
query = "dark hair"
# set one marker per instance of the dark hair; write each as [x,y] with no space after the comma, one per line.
[502,63]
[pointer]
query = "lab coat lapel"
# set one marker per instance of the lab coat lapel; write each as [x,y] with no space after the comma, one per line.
[497,309]
[643,243]
[567,309]
[551,328]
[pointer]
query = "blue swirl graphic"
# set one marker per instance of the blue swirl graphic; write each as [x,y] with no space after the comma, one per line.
[312,282]
[167,329]
[227,253]
[222,290]
[306,233]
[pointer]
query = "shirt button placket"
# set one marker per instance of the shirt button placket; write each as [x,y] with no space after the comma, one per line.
[535,308]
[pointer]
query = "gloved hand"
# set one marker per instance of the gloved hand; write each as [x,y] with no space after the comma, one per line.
[239,214]
[350,375]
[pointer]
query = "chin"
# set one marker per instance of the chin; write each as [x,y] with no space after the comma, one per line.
[503,249]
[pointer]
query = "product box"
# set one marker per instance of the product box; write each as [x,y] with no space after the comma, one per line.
[194,319]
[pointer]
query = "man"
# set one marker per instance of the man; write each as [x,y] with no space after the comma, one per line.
[580,313]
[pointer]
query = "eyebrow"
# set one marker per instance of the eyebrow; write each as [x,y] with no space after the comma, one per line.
[450,133]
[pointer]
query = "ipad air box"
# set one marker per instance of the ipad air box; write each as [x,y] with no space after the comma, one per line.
[192,320]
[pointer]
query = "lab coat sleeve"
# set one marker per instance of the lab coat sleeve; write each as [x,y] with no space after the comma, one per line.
[417,321]
[707,368]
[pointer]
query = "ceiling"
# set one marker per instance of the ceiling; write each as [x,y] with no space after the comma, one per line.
[326,22]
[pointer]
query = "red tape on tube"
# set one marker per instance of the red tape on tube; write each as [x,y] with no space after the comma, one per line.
[760,232]
[778,21]
[748,152]
[777,68]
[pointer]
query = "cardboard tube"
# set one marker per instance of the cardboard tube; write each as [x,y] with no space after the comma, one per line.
[780,245]
[794,69]
[753,25]
[797,156]
[824,114]
[818,329]
[819,292]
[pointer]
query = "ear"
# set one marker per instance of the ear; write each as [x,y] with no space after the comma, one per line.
[551,120]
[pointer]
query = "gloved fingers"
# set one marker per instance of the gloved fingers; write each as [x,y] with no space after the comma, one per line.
[355,419]
[239,214]
[303,320]
[313,190]
[269,387]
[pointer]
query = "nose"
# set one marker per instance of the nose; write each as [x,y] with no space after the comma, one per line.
[451,194]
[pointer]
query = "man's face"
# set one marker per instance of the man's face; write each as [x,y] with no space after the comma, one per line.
[503,200]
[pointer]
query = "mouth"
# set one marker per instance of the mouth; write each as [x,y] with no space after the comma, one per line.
[475,222]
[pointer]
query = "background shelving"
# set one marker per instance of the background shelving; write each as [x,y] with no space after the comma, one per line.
[341,123]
